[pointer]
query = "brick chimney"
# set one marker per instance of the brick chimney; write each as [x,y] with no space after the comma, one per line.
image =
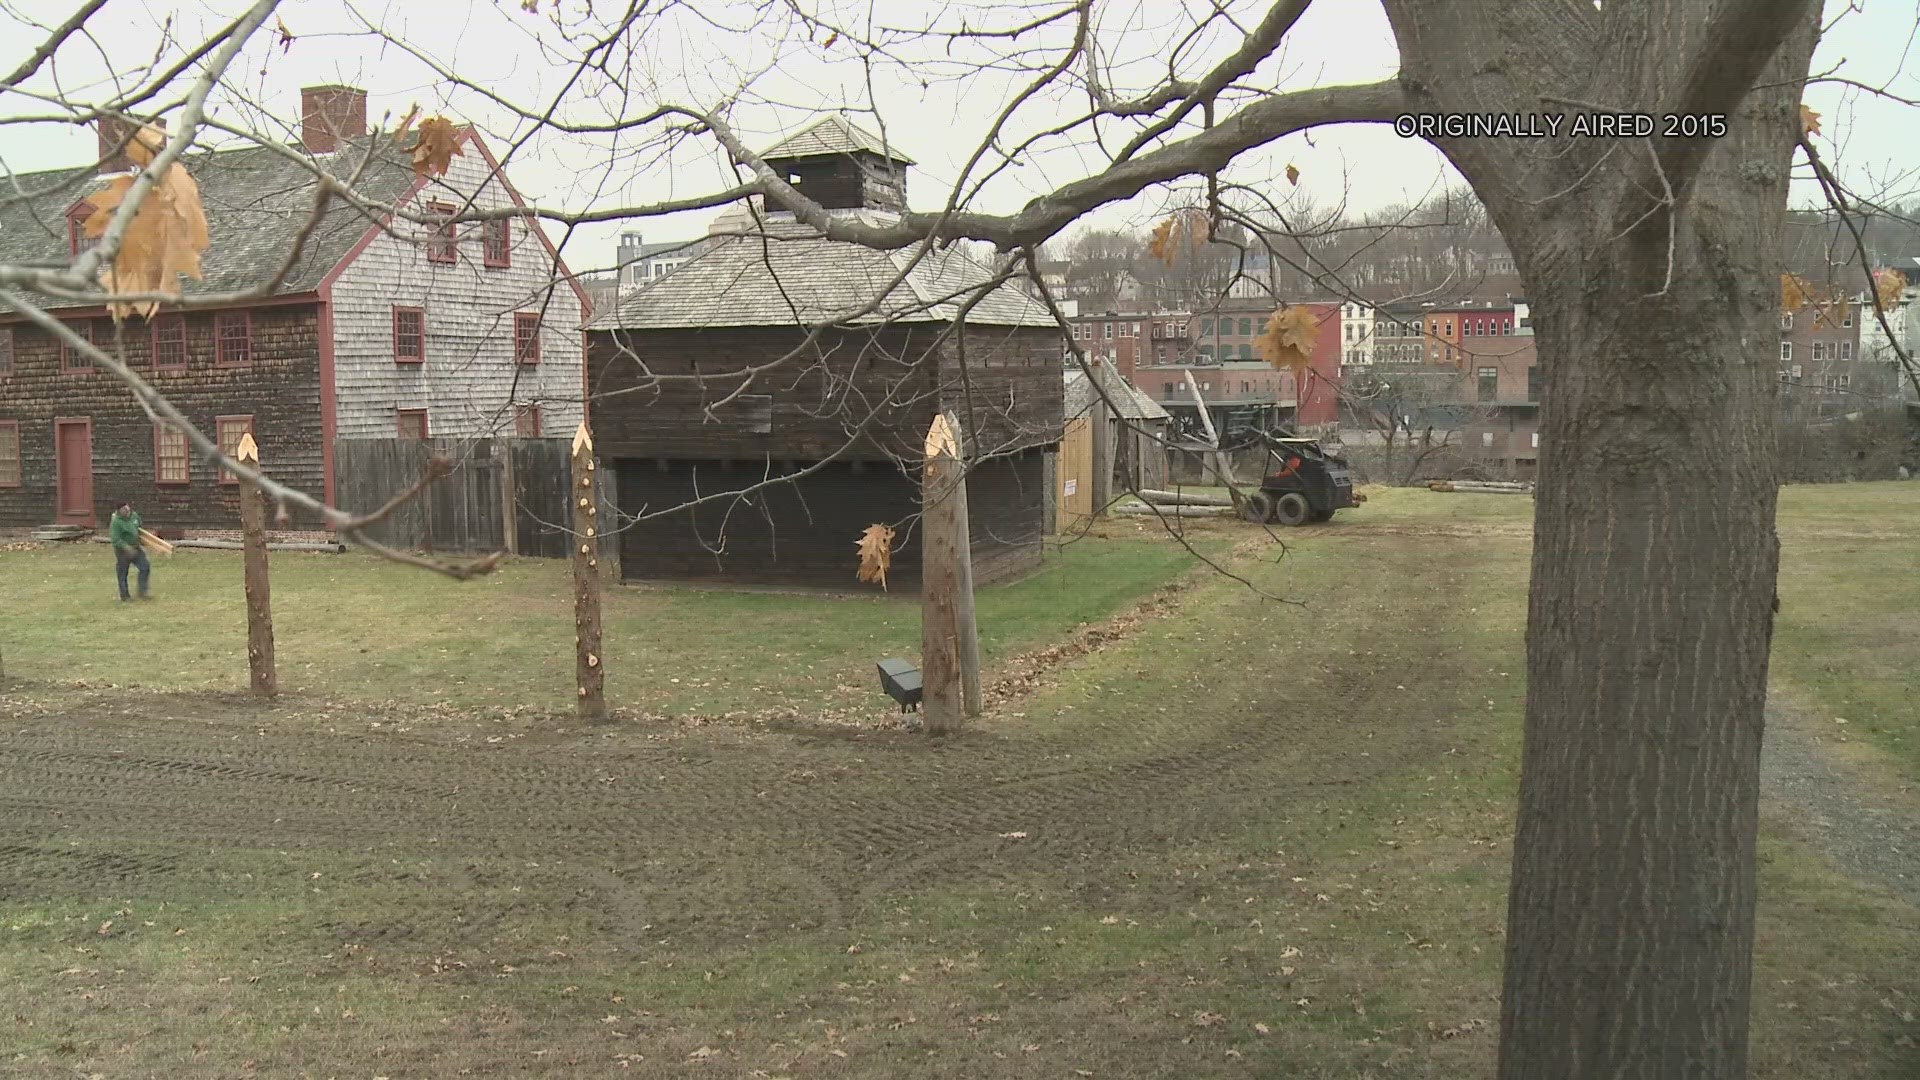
[114,134]
[330,115]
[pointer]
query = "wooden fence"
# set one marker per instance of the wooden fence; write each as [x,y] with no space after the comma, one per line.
[503,495]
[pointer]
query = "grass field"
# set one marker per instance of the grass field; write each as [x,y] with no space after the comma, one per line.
[1249,838]
[353,628]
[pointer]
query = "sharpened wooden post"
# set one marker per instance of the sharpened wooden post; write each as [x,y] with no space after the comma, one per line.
[964,625]
[589,673]
[253,535]
[1100,414]
[946,613]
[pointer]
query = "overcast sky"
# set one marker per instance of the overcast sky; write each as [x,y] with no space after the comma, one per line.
[936,105]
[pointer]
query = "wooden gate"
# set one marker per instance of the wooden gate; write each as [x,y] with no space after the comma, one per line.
[1075,475]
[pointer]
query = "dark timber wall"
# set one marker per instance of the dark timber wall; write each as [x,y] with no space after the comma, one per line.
[810,409]
[280,389]
[803,531]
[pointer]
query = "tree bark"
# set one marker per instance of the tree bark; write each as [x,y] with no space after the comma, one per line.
[253,534]
[589,672]
[1631,908]
[943,549]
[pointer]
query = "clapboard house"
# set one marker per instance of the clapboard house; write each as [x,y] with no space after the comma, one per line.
[379,329]
[777,389]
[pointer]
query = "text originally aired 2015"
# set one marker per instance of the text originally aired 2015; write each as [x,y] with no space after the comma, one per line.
[1581,125]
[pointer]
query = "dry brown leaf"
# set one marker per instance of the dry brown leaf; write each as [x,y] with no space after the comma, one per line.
[1175,233]
[1795,293]
[436,147]
[286,35]
[1888,286]
[1293,176]
[831,38]
[1290,337]
[164,240]
[876,554]
[1809,121]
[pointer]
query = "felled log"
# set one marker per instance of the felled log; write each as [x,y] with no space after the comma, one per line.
[235,545]
[1175,511]
[155,544]
[1181,498]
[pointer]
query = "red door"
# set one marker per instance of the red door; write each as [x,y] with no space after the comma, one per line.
[73,452]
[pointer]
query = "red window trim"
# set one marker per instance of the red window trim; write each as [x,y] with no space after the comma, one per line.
[160,428]
[153,344]
[6,351]
[421,358]
[520,355]
[426,430]
[227,477]
[505,229]
[84,328]
[444,236]
[220,339]
[19,456]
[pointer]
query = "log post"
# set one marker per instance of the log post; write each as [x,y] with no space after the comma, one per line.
[589,673]
[1099,414]
[964,624]
[946,575]
[253,535]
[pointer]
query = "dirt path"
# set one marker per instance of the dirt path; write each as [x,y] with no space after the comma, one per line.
[1867,826]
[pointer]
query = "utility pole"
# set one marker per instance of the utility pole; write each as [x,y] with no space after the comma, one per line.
[253,535]
[589,673]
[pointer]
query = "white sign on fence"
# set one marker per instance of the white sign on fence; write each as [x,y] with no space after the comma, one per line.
[1072,486]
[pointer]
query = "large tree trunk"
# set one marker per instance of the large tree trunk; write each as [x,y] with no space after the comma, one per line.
[1631,913]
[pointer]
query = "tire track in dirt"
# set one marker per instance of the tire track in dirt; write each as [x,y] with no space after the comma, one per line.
[657,834]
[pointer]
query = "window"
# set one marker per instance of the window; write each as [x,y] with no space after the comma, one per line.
[9,453]
[1536,440]
[227,431]
[77,238]
[1846,351]
[1846,315]
[170,343]
[1534,382]
[233,339]
[1845,381]
[496,243]
[1489,383]
[172,464]
[1246,327]
[1109,333]
[1449,328]
[1786,350]
[6,351]
[526,421]
[1819,350]
[72,359]
[526,337]
[409,335]
[1486,439]
[411,423]
[443,244]
[1206,327]
[1786,321]
[1167,391]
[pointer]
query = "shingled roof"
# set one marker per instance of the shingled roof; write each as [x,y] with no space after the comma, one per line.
[1126,398]
[786,274]
[257,200]
[833,134]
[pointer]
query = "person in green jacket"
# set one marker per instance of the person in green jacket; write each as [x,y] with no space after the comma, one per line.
[124,531]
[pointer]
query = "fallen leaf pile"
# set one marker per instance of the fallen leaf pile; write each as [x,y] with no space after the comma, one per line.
[166,236]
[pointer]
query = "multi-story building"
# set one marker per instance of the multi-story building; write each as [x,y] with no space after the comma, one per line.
[1357,332]
[1820,355]
[1503,426]
[1399,332]
[376,329]
[1447,327]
